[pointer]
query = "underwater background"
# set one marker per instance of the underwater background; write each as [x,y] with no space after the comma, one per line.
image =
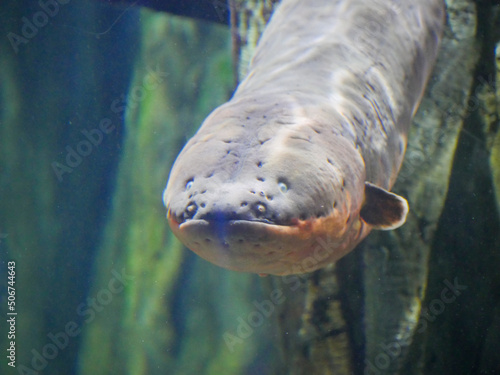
[96,101]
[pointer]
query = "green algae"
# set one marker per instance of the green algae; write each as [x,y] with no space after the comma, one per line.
[45,218]
[142,332]
[492,121]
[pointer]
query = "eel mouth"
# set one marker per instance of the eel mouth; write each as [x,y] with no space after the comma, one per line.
[267,248]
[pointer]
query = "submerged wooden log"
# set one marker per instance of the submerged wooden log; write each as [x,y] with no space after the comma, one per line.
[396,264]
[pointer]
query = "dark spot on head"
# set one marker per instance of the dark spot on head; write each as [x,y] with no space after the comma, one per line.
[208,240]
[264,141]
[190,210]
[259,164]
[227,141]
[269,197]
[248,117]
[264,116]
[202,205]
[203,192]
[335,204]
[260,208]
[210,174]
[262,194]
[316,131]
[189,183]
[283,185]
[261,179]
[244,204]
[252,191]
[329,161]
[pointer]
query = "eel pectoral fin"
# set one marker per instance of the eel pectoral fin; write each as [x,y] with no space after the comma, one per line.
[382,209]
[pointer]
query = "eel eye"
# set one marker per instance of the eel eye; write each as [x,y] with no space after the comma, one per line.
[283,187]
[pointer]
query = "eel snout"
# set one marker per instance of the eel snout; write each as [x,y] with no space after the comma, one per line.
[261,221]
[262,202]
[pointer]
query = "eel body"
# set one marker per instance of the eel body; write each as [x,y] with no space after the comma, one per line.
[295,170]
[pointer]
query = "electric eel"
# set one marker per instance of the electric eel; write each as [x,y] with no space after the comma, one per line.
[297,167]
